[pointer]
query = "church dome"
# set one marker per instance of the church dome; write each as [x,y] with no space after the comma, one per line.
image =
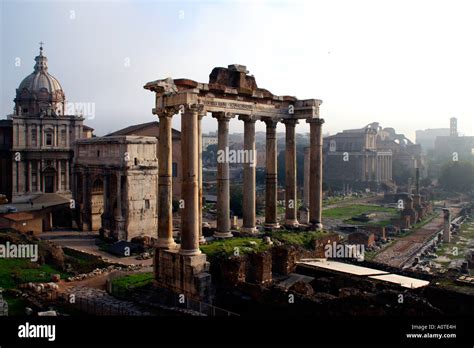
[40,92]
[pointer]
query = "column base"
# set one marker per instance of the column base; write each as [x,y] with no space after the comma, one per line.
[223,235]
[292,223]
[272,225]
[249,230]
[317,225]
[166,243]
[192,252]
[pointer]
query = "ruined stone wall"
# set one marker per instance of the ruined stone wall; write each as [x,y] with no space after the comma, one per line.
[259,268]
[365,238]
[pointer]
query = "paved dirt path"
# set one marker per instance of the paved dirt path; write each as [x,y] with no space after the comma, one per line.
[404,248]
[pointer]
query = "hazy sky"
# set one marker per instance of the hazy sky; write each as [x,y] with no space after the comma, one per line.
[406,64]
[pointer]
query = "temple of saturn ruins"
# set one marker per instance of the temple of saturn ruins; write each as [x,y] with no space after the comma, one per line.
[231,92]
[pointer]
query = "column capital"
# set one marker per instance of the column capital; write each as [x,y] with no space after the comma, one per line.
[167,112]
[270,121]
[248,118]
[318,121]
[223,116]
[199,108]
[290,121]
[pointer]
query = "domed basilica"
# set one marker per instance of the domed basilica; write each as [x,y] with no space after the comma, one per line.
[40,136]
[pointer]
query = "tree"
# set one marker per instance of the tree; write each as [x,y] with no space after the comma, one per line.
[209,156]
[457,176]
[400,173]
[236,199]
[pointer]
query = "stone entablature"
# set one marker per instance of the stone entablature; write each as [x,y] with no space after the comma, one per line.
[116,183]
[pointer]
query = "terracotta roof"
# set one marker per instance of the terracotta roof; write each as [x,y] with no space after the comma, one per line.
[130,130]
[50,199]
[21,216]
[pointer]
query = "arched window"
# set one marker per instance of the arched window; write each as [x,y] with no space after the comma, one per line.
[33,137]
[49,138]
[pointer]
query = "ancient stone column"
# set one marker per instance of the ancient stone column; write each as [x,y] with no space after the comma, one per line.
[165,173]
[290,174]
[200,116]
[306,176]
[390,168]
[447,226]
[316,168]
[248,225]
[223,188]
[271,175]
[190,182]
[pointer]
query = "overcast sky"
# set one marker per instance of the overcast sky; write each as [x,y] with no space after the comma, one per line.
[406,64]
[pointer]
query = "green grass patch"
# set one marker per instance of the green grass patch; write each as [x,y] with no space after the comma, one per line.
[16,305]
[356,209]
[127,284]
[17,271]
[233,246]
[304,239]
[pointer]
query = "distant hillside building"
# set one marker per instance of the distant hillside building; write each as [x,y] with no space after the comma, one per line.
[208,139]
[453,146]
[426,138]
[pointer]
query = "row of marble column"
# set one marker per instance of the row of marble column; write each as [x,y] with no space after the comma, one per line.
[384,168]
[377,168]
[191,213]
